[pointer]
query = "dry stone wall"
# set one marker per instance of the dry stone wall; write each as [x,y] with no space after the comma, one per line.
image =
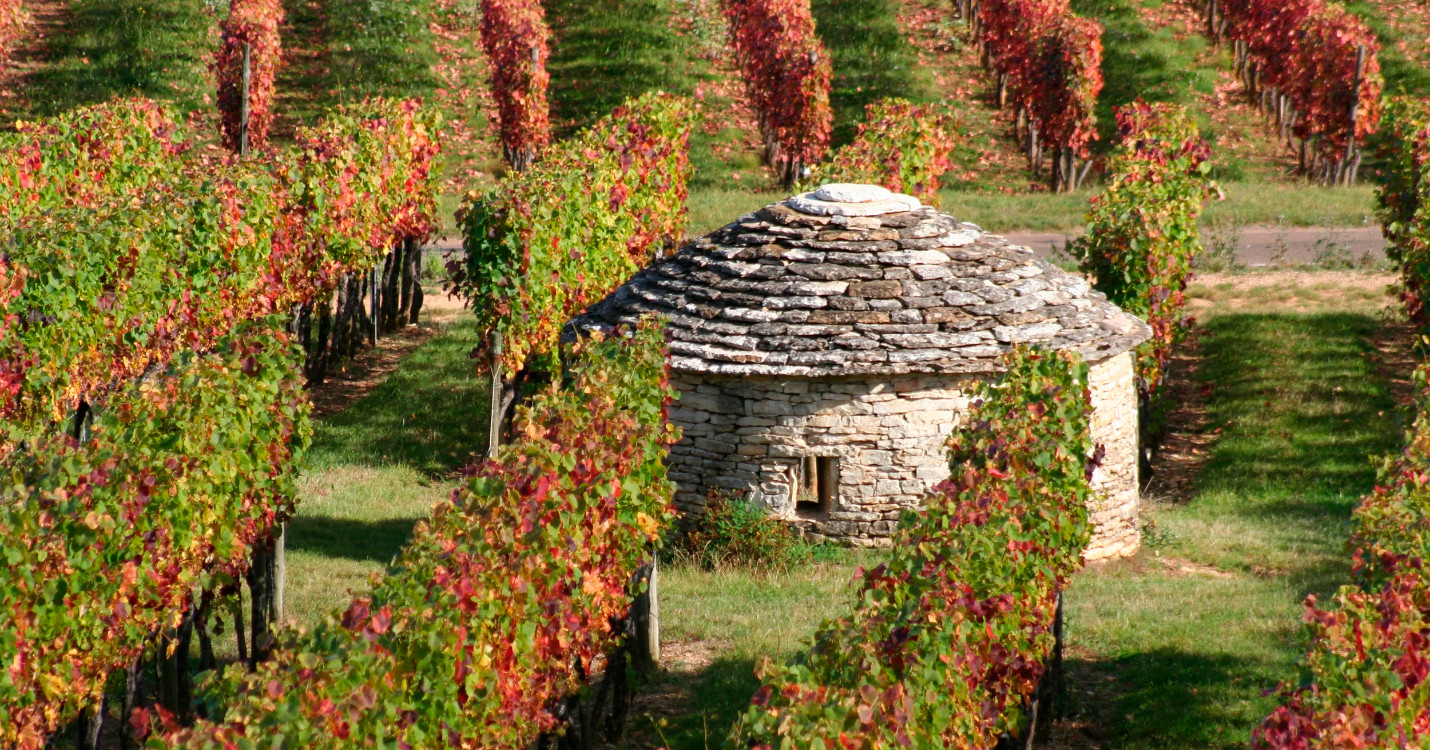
[1115,483]
[750,435]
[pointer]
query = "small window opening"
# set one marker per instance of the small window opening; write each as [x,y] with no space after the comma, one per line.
[818,486]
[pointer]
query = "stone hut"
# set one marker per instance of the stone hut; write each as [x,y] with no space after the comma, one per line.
[823,347]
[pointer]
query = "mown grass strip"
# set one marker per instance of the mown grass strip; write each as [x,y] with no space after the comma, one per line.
[1175,650]
[872,57]
[378,466]
[343,51]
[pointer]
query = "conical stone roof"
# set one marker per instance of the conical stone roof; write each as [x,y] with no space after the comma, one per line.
[855,280]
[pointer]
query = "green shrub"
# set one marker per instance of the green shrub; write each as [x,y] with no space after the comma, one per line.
[736,532]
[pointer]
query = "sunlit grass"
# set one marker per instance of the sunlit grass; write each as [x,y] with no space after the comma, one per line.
[1175,648]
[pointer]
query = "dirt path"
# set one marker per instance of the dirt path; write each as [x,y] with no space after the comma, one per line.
[1263,246]
[47,18]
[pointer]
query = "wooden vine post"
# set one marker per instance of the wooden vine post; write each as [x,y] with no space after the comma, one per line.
[1348,167]
[645,611]
[494,402]
[244,104]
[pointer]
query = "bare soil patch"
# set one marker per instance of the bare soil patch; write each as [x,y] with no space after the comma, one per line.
[1291,291]
[670,693]
[46,18]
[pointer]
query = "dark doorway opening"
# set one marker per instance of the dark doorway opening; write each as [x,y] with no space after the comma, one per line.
[818,486]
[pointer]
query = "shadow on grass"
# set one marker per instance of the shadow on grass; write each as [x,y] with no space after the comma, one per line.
[380,48]
[151,48]
[872,60]
[718,694]
[373,541]
[1167,698]
[430,414]
[1180,657]
[1304,408]
[342,51]
[606,51]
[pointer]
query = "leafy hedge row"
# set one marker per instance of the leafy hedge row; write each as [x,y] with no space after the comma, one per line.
[1307,50]
[121,260]
[903,146]
[1403,202]
[1367,674]
[787,74]
[362,180]
[948,638]
[544,244]
[86,156]
[514,36]
[103,541]
[117,257]
[501,601]
[1142,231]
[255,24]
[1050,60]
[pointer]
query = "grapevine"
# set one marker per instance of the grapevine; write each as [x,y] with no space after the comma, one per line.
[1403,203]
[514,36]
[166,265]
[546,243]
[903,146]
[104,540]
[253,24]
[787,76]
[125,259]
[1368,668]
[1142,235]
[1048,61]
[501,601]
[1314,67]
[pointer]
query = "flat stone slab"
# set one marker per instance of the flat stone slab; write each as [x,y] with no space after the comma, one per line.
[847,199]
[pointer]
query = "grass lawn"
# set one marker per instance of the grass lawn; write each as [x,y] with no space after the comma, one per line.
[872,60]
[1174,648]
[379,466]
[341,51]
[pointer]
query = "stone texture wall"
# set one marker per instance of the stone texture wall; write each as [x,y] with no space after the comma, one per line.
[1114,426]
[750,434]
